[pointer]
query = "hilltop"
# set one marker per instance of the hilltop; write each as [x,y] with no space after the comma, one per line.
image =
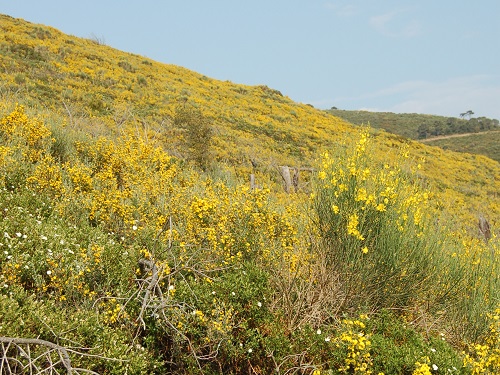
[133,241]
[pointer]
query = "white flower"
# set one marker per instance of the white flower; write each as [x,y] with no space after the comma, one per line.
[434,367]
[171,287]
[250,350]
[213,292]
[61,242]
[433,350]
[318,331]
[9,257]
[6,235]
[134,227]
[43,238]
[327,339]
[259,304]
[25,236]
[49,272]
[18,234]
[233,293]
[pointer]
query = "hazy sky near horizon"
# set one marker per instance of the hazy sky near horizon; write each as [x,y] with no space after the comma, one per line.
[428,56]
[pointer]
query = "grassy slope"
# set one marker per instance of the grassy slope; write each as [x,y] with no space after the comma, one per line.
[487,144]
[101,90]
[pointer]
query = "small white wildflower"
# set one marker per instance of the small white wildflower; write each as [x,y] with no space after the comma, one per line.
[44,238]
[213,292]
[25,236]
[61,242]
[26,267]
[433,350]
[19,234]
[6,252]
[327,339]
[233,293]
[434,367]
[259,304]
[49,272]
[134,227]
[9,257]
[171,287]
[250,350]
[6,235]
[318,331]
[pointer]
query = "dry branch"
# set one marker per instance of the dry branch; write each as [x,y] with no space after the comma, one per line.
[35,356]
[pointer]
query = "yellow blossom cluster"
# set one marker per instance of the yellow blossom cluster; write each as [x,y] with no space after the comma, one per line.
[485,358]
[353,336]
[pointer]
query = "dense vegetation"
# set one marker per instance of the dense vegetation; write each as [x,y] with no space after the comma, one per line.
[133,243]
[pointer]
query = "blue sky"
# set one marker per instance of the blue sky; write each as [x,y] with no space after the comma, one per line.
[428,56]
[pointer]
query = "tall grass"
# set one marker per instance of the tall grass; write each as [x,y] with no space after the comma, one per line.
[385,244]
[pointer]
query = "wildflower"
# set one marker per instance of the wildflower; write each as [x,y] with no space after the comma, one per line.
[259,304]
[44,238]
[365,250]
[18,234]
[327,339]
[318,331]
[250,350]
[134,227]
[434,367]
[49,272]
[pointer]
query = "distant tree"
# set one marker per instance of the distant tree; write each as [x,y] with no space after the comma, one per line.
[467,114]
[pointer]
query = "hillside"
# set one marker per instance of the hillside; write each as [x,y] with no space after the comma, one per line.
[134,243]
[102,91]
[427,127]
[485,143]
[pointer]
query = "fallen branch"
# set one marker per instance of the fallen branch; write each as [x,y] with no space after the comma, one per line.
[35,356]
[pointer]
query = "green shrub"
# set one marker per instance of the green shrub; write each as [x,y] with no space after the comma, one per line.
[198,134]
